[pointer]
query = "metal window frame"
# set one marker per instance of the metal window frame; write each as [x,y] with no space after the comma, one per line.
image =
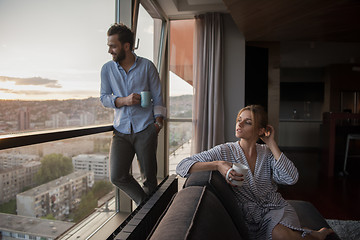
[30,138]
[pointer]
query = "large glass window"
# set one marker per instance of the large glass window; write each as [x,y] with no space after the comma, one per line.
[146,44]
[51,53]
[180,91]
[62,182]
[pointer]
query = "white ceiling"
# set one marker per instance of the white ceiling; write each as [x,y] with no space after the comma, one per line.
[182,9]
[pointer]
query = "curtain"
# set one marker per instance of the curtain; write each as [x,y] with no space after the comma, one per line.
[208,106]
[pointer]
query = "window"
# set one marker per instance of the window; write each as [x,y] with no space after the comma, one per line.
[147,37]
[51,53]
[181,91]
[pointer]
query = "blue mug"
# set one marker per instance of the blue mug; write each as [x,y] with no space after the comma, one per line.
[145,99]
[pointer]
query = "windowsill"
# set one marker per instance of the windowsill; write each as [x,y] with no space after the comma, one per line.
[99,225]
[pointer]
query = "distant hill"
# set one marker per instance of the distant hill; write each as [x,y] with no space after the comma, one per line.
[181,106]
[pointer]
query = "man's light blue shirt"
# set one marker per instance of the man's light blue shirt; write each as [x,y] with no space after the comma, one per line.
[115,82]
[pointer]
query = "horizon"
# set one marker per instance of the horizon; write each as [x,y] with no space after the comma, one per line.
[68,99]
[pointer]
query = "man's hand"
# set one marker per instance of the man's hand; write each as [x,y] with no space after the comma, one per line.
[161,122]
[133,99]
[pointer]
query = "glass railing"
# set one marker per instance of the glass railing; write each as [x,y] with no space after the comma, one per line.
[57,179]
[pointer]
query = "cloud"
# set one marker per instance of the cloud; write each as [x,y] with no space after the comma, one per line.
[32,81]
[54,95]
[24,92]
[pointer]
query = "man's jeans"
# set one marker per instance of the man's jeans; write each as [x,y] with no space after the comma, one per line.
[123,149]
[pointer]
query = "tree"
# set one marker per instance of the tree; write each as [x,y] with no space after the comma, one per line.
[8,207]
[101,188]
[49,217]
[53,166]
[87,205]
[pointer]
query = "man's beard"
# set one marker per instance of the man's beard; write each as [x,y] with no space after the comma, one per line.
[121,56]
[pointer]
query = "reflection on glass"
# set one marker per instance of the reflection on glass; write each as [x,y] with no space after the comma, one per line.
[61,181]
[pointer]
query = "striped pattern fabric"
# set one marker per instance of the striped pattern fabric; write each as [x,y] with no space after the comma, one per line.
[262,205]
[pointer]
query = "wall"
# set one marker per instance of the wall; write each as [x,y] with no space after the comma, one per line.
[273,81]
[314,106]
[234,75]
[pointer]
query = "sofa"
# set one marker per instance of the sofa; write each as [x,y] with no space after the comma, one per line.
[206,209]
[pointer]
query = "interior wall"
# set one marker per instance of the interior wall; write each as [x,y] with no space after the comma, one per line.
[234,75]
[273,82]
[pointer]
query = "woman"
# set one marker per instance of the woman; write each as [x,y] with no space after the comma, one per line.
[267,214]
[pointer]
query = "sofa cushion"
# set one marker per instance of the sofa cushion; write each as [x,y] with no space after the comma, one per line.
[196,213]
[218,185]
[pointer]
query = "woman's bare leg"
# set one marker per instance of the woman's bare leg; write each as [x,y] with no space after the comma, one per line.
[281,232]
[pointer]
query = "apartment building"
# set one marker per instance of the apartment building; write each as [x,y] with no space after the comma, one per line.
[99,164]
[14,179]
[57,197]
[21,227]
[24,119]
[9,160]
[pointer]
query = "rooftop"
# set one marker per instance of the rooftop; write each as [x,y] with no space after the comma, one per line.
[33,226]
[54,184]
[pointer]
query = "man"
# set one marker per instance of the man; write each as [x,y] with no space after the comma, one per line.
[135,128]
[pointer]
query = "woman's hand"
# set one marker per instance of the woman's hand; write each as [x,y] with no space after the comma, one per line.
[223,167]
[269,139]
[269,134]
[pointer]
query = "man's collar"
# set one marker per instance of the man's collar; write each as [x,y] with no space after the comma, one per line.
[136,57]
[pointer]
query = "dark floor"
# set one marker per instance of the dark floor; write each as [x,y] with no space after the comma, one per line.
[335,198]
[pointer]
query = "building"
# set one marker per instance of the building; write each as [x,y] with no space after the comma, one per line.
[99,164]
[13,180]
[87,118]
[57,197]
[21,227]
[57,120]
[24,119]
[10,160]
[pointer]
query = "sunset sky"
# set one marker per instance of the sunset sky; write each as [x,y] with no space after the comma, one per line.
[52,49]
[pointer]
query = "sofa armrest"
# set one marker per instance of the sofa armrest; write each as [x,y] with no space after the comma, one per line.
[198,179]
[196,213]
[218,185]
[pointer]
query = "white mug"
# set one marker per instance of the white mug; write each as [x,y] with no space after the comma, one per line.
[239,168]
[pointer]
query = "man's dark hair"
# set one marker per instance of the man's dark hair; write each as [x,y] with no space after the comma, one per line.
[125,35]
